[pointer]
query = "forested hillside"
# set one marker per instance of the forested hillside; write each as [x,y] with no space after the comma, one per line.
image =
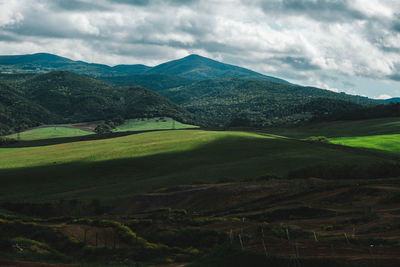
[60,97]
[243,102]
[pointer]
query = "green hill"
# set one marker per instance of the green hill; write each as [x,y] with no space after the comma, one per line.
[121,167]
[196,67]
[192,67]
[60,97]
[17,112]
[44,62]
[146,124]
[154,82]
[242,102]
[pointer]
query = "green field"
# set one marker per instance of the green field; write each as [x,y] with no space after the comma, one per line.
[389,142]
[123,166]
[49,133]
[152,124]
[342,128]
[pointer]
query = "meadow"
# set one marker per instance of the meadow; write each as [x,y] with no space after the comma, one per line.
[120,167]
[389,142]
[48,133]
[148,124]
[333,129]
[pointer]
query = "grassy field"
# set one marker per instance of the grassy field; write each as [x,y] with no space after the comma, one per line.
[342,128]
[124,166]
[49,133]
[389,142]
[152,124]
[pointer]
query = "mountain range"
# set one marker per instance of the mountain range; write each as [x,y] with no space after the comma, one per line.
[45,88]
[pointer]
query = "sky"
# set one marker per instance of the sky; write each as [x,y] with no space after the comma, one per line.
[348,46]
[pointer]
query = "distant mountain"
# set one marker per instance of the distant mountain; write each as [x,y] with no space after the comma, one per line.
[196,67]
[43,62]
[243,102]
[193,67]
[61,96]
[390,100]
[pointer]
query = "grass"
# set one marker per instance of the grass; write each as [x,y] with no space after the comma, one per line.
[117,168]
[48,133]
[390,142]
[152,124]
[342,128]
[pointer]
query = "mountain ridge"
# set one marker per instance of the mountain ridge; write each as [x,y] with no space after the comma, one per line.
[194,67]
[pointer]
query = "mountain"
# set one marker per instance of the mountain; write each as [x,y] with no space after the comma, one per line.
[192,67]
[243,102]
[61,96]
[196,67]
[154,82]
[390,100]
[44,62]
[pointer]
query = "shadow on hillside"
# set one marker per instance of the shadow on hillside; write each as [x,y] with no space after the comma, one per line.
[230,158]
[64,140]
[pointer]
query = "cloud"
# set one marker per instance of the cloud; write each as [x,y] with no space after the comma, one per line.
[306,41]
[383,96]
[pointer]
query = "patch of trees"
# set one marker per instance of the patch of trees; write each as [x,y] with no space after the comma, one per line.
[362,113]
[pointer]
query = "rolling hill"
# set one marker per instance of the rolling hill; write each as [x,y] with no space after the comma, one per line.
[128,165]
[17,112]
[60,97]
[243,102]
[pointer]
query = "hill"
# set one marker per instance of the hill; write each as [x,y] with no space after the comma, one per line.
[17,112]
[192,67]
[44,62]
[124,166]
[60,97]
[241,102]
[154,82]
[196,67]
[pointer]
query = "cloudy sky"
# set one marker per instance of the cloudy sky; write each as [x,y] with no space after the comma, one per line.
[351,46]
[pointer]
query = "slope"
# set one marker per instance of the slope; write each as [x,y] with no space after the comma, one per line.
[60,97]
[16,112]
[123,166]
[196,67]
[242,102]
[44,62]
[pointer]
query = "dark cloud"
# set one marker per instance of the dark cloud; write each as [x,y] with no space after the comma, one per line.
[75,5]
[131,2]
[394,77]
[323,10]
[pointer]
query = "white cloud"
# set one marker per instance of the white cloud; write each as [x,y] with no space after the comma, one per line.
[303,40]
[383,96]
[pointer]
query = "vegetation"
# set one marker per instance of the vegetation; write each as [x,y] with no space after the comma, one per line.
[389,142]
[144,124]
[241,102]
[48,133]
[60,97]
[132,164]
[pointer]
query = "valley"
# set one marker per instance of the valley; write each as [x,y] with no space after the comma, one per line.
[192,162]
